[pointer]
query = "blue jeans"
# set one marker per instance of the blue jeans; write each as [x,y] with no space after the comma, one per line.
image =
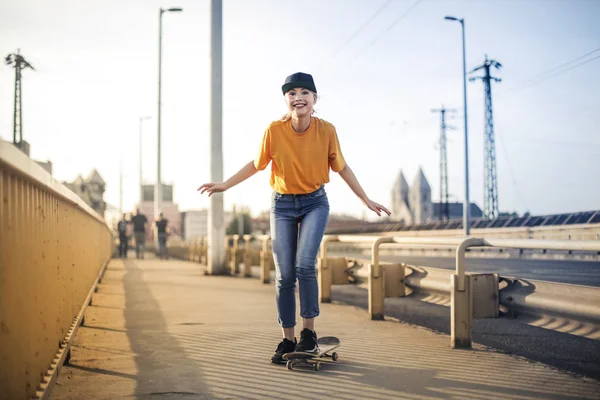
[298,223]
[162,245]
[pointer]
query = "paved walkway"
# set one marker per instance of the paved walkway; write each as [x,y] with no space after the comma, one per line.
[164,330]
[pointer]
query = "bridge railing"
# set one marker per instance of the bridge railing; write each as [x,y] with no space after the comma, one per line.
[53,248]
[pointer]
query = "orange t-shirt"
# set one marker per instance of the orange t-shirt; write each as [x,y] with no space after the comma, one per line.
[301,161]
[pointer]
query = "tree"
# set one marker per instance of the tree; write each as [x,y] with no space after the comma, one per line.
[233,228]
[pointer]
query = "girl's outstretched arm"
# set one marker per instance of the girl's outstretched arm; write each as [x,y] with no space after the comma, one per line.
[244,173]
[348,175]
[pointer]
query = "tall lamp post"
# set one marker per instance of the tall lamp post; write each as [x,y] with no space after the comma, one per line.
[158,187]
[141,179]
[467,205]
[216,226]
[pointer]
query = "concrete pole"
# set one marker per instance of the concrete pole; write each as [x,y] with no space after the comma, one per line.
[158,187]
[141,178]
[467,205]
[121,186]
[216,224]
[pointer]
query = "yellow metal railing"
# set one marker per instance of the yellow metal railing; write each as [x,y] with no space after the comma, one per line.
[52,249]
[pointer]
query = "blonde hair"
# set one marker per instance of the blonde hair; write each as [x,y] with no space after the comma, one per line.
[287,116]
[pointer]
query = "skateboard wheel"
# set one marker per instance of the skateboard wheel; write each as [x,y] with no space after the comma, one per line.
[334,356]
[290,365]
[317,366]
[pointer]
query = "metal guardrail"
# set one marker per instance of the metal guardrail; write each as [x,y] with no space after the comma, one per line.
[573,308]
[53,248]
[385,278]
[461,287]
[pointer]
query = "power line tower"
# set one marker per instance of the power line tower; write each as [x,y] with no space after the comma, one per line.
[490,201]
[444,208]
[19,63]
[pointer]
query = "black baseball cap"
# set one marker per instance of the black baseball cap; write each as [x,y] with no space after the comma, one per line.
[299,79]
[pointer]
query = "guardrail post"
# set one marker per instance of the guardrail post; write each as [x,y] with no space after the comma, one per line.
[234,254]
[227,250]
[325,278]
[247,272]
[461,298]
[485,295]
[393,280]
[376,284]
[204,250]
[461,313]
[376,292]
[340,274]
[265,262]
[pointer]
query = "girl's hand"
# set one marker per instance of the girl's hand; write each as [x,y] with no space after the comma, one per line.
[211,188]
[377,208]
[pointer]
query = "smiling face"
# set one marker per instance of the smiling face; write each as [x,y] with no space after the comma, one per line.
[300,102]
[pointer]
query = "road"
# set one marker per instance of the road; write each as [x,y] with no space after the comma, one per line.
[573,272]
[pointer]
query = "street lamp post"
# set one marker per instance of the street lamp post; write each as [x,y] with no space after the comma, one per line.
[216,227]
[141,180]
[158,187]
[467,205]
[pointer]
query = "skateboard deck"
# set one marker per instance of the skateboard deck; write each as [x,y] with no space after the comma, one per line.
[326,345]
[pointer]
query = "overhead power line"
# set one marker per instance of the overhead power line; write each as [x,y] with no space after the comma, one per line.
[355,34]
[558,70]
[512,174]
[400,18]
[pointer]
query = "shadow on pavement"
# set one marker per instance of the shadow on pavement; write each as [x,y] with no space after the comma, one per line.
[163,366]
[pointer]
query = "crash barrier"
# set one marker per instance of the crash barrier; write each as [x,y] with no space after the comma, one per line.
[464,288]
[197,250]
[574,309]
[472,295]
[247,255]
[53,249]
[241,253]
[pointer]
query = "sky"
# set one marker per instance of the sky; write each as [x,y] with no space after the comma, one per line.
[378,75]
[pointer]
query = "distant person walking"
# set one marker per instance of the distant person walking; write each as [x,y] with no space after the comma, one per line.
[122,229]
[162,234]
[140,229]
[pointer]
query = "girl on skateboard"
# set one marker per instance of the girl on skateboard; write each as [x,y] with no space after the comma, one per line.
[301,149]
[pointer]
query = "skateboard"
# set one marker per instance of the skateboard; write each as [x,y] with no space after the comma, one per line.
[326,344]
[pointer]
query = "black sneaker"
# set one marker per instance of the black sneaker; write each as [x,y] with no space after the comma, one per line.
[285,346]
[308,341]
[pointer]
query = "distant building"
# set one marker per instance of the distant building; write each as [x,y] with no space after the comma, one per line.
[169,209]
[401,210]
[414,205]
[194,223]
[91,190]
[455,211]
[420,198]
[25,147]
[112,216]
